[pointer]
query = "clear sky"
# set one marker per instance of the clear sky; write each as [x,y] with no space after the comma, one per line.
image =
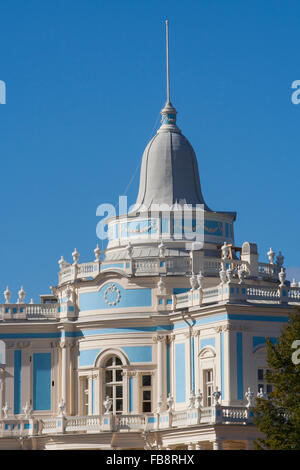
[85,83]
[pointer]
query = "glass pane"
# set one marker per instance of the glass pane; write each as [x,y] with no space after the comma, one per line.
[260,374]
[119,405]
[146,395]
[119,377]
[269,388]
[118,361]
[108,376]
[119,391]
[109,392]
[146,380]
[109,362]
[146,407]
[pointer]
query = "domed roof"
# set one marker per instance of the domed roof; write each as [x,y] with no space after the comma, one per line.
[169,172]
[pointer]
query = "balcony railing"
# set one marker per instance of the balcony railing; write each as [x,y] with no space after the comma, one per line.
[128,422]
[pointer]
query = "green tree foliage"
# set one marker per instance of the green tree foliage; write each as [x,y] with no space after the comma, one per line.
[278,415]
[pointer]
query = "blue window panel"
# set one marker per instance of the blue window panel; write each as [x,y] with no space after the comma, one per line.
[130,394]
[261,340]
[180,372]
[212,227]
[42,381]
[169,301]
[112,265]
[93,396]
[239,359]
[165,225]
[180,290]
[139,353]
[17,381]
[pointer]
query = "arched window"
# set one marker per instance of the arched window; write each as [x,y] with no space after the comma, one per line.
[113,383]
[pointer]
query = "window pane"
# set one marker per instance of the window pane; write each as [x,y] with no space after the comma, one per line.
[118,361]
[119,377]
[119,405]
[108,376]
[109,392]
[146,380]
[146,395]
[260,374]
[119,392]
[269,388]
[109,362]
[147,407]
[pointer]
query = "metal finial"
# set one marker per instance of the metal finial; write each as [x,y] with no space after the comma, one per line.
[167,53]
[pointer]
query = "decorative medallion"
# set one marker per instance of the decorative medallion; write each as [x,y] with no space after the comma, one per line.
[112,295]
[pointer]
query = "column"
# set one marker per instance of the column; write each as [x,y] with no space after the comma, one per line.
[161,341]
[217,444]
[65,361]
[90,387]
[2,390]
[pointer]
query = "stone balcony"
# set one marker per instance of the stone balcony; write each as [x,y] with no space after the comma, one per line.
[218,414]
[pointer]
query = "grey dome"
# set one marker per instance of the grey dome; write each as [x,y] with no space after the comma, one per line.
[169,172]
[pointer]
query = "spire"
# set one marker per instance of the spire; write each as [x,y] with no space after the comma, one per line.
[168,112]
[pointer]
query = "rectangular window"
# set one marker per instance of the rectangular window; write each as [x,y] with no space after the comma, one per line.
[85,396]
[146,394]
[262,381]
[208,387]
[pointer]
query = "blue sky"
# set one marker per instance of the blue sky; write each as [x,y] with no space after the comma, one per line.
[85,84]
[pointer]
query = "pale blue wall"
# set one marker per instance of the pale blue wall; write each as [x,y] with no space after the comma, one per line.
[17,381]
[42,381]
[128,298]
[180,372]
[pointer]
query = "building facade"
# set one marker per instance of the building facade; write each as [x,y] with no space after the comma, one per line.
[159,341]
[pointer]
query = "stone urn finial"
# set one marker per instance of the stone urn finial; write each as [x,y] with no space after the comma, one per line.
[223,276]
[75,256]
[22,295]
[61,262]
[97,252]
[225,251]
[200,280]
[7,295]
[282,277]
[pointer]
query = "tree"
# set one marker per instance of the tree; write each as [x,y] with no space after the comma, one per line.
[277,416]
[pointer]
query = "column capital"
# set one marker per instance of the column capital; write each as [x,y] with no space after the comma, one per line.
[160,339]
